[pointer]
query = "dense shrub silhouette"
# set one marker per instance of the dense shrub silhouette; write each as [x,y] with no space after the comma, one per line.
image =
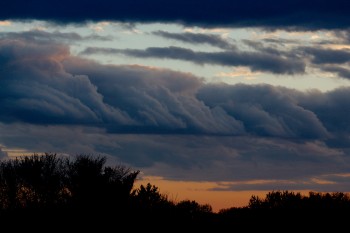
[277,200]
[291,210]
[291,200]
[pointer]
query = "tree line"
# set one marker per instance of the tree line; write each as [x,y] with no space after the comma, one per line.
[82,192]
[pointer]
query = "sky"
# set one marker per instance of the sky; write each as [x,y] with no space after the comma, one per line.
[213,101]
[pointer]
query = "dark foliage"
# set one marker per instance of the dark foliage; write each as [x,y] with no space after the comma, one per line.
[53,189]
[54,193]
[293,211]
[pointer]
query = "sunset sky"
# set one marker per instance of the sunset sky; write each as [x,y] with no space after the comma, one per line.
[212,101]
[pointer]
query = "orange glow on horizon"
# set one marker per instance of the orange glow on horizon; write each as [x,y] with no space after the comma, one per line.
[202,192]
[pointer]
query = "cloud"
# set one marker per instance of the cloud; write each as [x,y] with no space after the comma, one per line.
[37,89]
[310,15]
[188,157]
[242,159]
[264,110]
[160,101]
[325,59]
[40,35]
[259,46]
[43,84]
[237,161]
[280,41]
[322,56]
[257,61]
[330,107]
[197,38]
[3,154]
[340,71]
[342,35]
[168,123]
[5,23]
[322,183]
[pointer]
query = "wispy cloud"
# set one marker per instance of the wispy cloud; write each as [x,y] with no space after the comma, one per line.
[197,38]
[339,70]
[256,61]
[42,35]
[327,56]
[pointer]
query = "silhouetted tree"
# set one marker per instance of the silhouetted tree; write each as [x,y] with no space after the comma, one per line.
[277,200]
[151,206]
[32,182]
[41,180]
[149,197]
[9,185]
[193,209]
[290,200]
[52,186]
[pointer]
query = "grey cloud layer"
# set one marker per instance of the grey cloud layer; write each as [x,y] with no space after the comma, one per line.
[281,163]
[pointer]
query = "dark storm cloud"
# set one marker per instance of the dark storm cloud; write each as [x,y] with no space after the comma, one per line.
[196,38]
[256,61]
[313,14]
